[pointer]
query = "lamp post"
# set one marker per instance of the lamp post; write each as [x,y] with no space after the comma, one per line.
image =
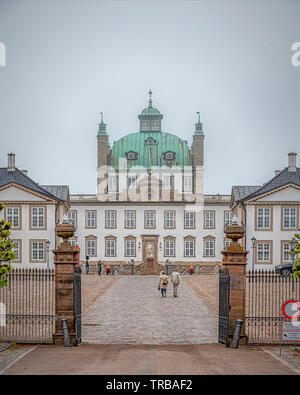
[48,250]
[293,245]
[253,239]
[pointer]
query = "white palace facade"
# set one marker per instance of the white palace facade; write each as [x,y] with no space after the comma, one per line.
[150,192]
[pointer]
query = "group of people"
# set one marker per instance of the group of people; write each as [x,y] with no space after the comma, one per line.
[163,283]
[108,270]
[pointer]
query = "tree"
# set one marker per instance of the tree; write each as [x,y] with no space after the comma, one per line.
[296,266]
[6,249]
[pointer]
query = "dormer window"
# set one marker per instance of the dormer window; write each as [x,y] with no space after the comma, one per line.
[145,124]
[150,141]
[155,124]
[169,156]
[131,155]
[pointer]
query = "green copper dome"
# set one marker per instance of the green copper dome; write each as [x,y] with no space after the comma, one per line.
[150,111]
[151,149]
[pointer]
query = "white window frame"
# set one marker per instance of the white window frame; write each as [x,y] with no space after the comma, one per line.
[129,219]
[90,219]
[188,183]
[130,246]
[189,219]
[112,183]
[169,247]
[17,250]
[110,247]
[38,251]
[131,181]
[209,220]
[289,219]
[38,217]
[110,219]
[72,217]
[91,247]
[169,219]
[228,221]
[263,252]
[263,218]
[13,216]
[189,248]
[209,248]
[169,183]
[150,219]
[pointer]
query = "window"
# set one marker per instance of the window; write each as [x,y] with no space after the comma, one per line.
[38,217]
[149,219]
[228,215]
[169,155]
[286,248]
[209,248]
[209,219]
[110,247]
[145,124]
[112,183]
[17,250]
[169,247]
[189,247]
[169,183]
[90,219]
[170,219]
[13,216]
[72,217]
[263,252]
[91,247]
[155,124]
[72,242]
[131,155]
[188,183]
[110,219]
[189,219]
[289,218]
[150,141]
[263,218]
[129,247]
[129,219]
[226,243]
[38,251]
[131,182]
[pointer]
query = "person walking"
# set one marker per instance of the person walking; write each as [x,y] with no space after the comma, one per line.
[99,268]
[175,280]
[87,264]
[108,270]
[163,284]
[191,269]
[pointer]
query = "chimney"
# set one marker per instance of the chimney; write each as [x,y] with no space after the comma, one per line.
[24,172]
[11,162]
[277,172]
[292,161]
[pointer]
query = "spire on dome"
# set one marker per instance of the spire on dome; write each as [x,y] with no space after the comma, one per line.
[102,126]
[198,125]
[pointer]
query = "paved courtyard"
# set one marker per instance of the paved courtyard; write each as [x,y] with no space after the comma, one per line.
[133,312]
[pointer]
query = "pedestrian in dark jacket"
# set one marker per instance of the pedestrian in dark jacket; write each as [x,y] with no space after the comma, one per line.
[99,267]
[87,264]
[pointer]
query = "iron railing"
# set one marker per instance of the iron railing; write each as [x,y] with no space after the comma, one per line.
[266,292]
[28,306]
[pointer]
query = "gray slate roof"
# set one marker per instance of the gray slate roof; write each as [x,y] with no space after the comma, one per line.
[60,191]
[16,176]
[242,193]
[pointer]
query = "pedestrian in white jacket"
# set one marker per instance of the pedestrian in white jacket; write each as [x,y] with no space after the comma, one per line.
[175,280]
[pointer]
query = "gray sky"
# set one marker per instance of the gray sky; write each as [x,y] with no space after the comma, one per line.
[67,61]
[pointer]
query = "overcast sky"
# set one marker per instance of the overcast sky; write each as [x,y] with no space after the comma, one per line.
[67,61]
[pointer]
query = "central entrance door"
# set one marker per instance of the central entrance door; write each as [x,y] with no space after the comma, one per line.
[149,246]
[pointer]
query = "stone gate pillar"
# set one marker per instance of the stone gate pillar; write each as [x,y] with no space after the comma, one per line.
[65,259]
[235,260]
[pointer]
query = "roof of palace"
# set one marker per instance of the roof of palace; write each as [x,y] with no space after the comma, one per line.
[149,148]
[16,176]
[285,177]
[60,191]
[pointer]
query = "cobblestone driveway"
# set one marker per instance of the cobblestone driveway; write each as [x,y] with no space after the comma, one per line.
[133,312]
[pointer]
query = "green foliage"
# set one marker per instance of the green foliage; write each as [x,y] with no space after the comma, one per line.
[296,265]
[6,249]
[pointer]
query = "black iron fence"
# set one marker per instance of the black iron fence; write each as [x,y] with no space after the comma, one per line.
[266,292]
[27,306]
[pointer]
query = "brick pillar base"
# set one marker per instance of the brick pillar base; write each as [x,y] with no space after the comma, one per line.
[235,260]
[65,259]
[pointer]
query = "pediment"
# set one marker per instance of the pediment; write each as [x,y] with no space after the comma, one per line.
[15,193]
[288,193]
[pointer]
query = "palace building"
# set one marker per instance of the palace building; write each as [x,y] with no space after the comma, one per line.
[150,193]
